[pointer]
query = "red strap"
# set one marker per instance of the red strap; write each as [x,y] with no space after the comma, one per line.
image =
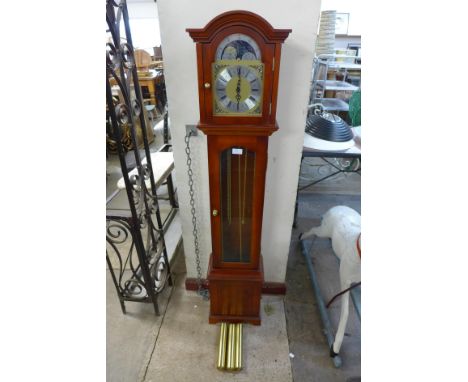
[342,292]
[358,246]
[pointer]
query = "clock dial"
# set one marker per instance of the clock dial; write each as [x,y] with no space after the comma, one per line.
[238,77]
[238,46]
[238,88]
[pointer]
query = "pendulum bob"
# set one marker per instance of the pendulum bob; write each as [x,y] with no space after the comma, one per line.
[230,347]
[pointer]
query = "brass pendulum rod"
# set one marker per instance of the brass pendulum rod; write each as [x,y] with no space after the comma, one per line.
[239,207]
[245,186]
[229,185]
[230,347]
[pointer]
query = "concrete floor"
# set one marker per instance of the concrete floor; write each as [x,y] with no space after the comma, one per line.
[130,337]
[180,345]
[187,345]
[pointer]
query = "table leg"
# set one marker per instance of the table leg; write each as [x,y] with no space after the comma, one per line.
[297,195]
[170,191]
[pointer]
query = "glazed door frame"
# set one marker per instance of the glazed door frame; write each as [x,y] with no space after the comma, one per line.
[216,145]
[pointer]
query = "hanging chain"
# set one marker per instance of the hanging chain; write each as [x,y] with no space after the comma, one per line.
[201,291]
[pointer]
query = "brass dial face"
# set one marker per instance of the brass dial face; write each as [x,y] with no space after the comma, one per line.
[238,77]
[238,88]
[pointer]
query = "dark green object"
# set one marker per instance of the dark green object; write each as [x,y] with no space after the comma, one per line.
[355,108]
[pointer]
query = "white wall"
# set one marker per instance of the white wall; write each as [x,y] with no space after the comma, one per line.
[285,145]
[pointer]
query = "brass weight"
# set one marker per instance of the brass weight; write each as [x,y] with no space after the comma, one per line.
[230,347]
[239,346]
[235,365]
[222,347]
[233,346]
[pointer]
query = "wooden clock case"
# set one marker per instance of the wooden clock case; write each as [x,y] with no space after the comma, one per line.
[235,288]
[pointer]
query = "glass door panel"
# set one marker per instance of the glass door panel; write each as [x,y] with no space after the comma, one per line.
[237,186]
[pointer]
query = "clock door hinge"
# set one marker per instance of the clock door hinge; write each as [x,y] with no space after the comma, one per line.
[270,109]
[273,65]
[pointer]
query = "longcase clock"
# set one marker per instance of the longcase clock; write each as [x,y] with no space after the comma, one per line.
[238,59]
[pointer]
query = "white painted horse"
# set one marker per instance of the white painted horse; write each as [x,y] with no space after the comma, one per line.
[343,226]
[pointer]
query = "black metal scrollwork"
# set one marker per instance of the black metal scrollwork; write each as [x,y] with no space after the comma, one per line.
[128,59]
[136,251]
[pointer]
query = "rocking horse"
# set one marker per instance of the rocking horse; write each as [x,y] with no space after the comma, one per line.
[343,226]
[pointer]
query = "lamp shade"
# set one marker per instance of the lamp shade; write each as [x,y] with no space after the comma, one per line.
[328,131]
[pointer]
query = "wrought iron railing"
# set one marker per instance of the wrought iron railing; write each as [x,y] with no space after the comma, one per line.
[136,250]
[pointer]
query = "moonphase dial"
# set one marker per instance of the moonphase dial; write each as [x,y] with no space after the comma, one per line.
[238,89]
[238,46]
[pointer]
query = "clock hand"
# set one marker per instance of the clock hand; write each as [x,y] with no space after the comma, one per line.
[238,88]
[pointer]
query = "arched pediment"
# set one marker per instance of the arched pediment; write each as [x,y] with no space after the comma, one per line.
[241,18]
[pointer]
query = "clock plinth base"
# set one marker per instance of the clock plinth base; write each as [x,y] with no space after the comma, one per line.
[235,294]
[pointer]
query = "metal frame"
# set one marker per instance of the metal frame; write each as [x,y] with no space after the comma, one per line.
[353,166]
[143,265]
